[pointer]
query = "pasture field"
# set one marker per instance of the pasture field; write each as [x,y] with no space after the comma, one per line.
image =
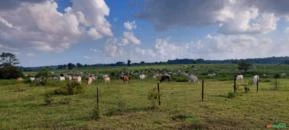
[224,71]
[126,106]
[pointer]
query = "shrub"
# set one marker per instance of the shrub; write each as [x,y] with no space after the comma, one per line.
[95,115]
[247,89]
[10,72]
[121,106]
[42,77]
[71,88]
[186,118]
[153,98]
[231,95]
[48,99]
[65,101]
[180,79]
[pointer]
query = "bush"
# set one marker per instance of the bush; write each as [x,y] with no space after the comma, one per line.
[186,118]
[41,78]
[231,95]
[121,106]
[153,98]
[10,72]
[48,99]
[95,115]
[180,79]
[247,89]
[65,101]
[71,88]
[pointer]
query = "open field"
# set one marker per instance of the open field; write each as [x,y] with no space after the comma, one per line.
[126,106]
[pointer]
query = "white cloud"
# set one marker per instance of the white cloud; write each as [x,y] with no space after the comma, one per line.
[40,26]
[112,48]
[232,16]
[214,47]
[129,37]
[87,57]
[130,25]
[30,54]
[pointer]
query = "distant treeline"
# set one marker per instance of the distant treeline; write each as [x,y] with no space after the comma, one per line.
[269,60]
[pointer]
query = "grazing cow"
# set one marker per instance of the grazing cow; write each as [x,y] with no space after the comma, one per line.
[212,75]
[19,79]
[191,78]
[32,79]
[77,78]
[142,76]
[155,76]
[255,79]
[61,78]
[68,77]
[165,77]
[124,78]
[91,78]
[239,77]
[106,78]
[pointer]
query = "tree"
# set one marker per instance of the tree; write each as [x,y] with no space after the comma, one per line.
[128,62]
[244,66]
[276,77]
[7,66]
[79,65]
[10,72]
[119,63]
[43,76]
[70,66]
[7,58]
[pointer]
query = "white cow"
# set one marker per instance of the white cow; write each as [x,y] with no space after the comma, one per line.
[90,80]
[157,75]
[142,76]
[69,77]
[62,78]
[239,77]
[106,78]
[212,75]
[77,78]
[32,79]
[191,77]
[255,79]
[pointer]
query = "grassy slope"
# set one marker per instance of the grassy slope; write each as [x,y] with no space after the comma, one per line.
[22,106]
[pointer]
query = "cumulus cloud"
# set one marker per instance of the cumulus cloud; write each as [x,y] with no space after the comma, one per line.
[38,25]
[129,25]
[87,57]
[128,35]
[112,48]
[12,4]
[232,16]
[213,47]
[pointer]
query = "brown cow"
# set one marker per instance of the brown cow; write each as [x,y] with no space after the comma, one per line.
[125,78]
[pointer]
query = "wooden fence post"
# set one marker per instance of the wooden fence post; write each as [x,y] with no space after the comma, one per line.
[203,82]
[276,83]
[235,87]
[257,85]
[159,96]
[97,99]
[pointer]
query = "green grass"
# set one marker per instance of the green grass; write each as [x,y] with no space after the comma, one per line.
[22,106]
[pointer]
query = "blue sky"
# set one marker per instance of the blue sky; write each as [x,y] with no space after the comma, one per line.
[48,32]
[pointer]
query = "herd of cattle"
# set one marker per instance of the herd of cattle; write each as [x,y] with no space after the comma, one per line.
[125,77]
